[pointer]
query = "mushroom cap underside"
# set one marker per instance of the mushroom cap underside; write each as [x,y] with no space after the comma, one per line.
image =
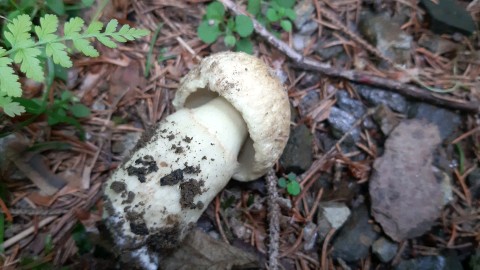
[252,88]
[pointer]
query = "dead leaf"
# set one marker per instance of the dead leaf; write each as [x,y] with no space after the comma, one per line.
[406,197]
[202,252]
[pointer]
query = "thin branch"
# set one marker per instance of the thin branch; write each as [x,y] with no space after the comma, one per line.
[353,75]
[274,221]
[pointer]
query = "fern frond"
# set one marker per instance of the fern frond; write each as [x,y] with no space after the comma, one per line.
[26,51]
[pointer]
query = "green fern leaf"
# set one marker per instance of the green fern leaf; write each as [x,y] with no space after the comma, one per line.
[73,27]
[19,31]
[107,42]
[11,108]
[48,26]
[58,51]
[30,65]
[85,47]
[9,84]
[94,28]
[111,26]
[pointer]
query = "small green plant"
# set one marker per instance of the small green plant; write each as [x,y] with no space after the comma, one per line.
[235,30]
[29,53]
[290,183]
[278,13]
[64,109]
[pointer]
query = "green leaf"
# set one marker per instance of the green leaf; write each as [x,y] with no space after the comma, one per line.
[73,27]
[85,47]
[56,6]
[292,177]
[19,30]
[207,32]
[282,182]
[66,96]
[56,117]
[285,3]
[58,51]
[243,25]
[231,25]
[286,25]
[111,26]
[293,188]
[272,15]
[215,10]
[290,13]
[48,26]
[33,106]
[130,33]
[30,65]
[9,84]
[253,7]
[11,108]
[229,41]
[244,45]
[88,3]
[107,42]
[94,27]
[79,110]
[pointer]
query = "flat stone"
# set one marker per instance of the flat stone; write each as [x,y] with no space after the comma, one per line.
[448,17]
[377,96]
[450,262]
[406,196]
[387,36]
[354,240]
[341,122]
[384,249]
[297,156]
[447,121]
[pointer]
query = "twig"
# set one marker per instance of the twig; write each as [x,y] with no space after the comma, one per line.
[330,234]
[36,212]
[274,221]
[27,232]
[353,75]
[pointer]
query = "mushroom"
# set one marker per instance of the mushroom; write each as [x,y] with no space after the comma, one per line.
[232,121]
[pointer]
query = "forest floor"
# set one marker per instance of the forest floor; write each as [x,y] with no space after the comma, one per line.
[385,140]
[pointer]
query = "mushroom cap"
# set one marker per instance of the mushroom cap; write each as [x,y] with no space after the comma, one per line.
[254,90]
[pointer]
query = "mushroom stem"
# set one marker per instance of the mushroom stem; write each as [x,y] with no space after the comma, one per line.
[162,190]
[224,122]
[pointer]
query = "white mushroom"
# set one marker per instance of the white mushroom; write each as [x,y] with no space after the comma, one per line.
[232,121]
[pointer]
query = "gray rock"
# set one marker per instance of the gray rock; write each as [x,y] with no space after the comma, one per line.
[385,119]
[297,156]
[384,249]
[309,236]
[431,263]
[355,238]
[124,146]
[300,41]
[308,102]
[446,121]
[473,181]
[377,96]
[387,36]
[304,10]
[308,28]
[352,106]
[448,17]
[341,122]
[331,215]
